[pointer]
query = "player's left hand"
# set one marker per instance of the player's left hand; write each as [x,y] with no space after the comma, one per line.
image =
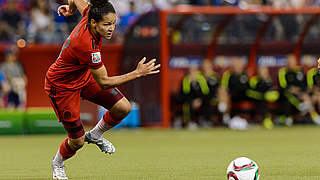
[148,68]
[64,10]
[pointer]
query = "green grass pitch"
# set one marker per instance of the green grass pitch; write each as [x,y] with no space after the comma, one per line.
[156,154]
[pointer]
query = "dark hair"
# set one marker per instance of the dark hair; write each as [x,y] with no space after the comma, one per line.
[11,49]
[99,8]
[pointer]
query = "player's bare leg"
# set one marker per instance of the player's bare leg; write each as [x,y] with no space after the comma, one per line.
[110,119]
[67,149]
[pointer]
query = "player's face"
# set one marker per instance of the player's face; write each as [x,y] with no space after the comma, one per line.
[207,66]
[263,72]
[292,63]
[106,26]
[238,65]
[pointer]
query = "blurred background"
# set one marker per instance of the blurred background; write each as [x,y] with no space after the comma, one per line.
[225,63]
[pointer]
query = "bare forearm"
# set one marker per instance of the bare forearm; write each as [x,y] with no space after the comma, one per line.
[80,5]
[113,81]
[143,69]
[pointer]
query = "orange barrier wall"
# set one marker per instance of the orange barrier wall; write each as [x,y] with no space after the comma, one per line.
[36,59]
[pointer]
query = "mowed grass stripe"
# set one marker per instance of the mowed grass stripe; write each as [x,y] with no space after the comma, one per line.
[160,154]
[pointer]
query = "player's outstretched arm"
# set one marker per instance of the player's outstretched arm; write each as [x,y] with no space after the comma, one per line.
[319,63]
[71,8]
[143,69]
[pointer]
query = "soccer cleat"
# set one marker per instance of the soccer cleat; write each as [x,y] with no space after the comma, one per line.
[103,144]
[58,171]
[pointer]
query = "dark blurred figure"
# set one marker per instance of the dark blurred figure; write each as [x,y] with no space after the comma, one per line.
[11,14]
[194,88]
[293,89]
[313,81]
[210,100]
[7,34]
[11,21]
[234,85]
[262,92]
[17,80]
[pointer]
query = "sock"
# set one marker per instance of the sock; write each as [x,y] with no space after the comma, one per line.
[99,129]
[58,159]
[108,121]
[65,151]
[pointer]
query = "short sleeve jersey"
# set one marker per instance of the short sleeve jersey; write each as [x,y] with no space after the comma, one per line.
[79,53]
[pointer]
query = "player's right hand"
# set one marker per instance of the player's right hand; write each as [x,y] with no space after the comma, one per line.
[64,10]
[148,68]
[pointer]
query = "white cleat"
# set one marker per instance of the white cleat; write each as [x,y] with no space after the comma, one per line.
[58,171]
[103,144]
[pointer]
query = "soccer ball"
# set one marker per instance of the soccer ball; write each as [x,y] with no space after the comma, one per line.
[243,169]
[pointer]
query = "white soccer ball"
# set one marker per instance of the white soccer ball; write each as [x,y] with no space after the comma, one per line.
[243,169]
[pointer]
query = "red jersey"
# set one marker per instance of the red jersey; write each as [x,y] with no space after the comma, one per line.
[80,52]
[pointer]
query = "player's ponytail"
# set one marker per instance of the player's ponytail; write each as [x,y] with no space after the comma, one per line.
[99,8]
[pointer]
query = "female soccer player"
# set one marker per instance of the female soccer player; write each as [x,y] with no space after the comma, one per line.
[79,72]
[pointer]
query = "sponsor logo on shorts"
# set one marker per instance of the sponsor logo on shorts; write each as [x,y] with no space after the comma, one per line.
[96,57]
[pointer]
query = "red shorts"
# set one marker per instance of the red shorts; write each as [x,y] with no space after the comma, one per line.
[66,103]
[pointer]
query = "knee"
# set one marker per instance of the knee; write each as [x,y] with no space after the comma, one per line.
[76,143]
[122,109]
[126,109]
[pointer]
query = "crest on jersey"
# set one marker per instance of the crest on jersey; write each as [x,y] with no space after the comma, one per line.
[96,57]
